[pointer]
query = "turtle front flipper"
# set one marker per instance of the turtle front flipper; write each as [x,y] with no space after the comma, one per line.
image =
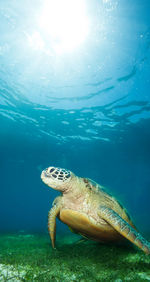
[54,211]
[124,228]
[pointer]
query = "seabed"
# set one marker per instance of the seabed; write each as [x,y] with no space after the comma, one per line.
[30,257]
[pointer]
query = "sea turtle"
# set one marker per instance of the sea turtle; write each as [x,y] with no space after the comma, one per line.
[88,210]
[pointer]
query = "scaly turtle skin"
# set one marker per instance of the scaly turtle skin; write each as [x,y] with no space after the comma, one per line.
[88,210]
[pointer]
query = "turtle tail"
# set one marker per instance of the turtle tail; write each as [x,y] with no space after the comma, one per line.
[124,228]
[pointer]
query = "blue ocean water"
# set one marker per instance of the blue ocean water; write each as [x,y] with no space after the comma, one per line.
[86,109]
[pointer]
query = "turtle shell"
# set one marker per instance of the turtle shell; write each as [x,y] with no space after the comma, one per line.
[87,227]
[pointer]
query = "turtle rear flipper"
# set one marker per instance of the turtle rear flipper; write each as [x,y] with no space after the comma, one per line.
[124,228]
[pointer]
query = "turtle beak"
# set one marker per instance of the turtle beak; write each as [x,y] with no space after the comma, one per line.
[44,174]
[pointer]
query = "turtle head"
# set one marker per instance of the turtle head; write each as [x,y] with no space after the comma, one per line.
[56,178]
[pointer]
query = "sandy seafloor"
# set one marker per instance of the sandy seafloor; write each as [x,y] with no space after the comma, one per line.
[30,257]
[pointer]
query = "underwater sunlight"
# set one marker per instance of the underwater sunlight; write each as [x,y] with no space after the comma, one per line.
[64,24]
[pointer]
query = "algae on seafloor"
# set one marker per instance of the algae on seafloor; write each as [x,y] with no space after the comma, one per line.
[30,258]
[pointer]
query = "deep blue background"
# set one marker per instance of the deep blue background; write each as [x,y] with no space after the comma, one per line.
[88,111]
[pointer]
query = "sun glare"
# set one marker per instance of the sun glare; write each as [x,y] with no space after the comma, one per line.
[64,23]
